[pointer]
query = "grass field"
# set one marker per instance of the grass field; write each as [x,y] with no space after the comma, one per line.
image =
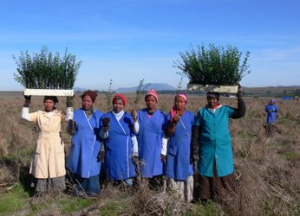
[267,169]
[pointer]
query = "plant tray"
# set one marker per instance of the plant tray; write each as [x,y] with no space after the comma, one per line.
[213,88]
[49,92]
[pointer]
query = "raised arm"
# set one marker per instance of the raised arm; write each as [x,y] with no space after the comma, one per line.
[241,110]
[25,109]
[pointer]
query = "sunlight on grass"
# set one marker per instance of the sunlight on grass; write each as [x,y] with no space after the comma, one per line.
[14,200]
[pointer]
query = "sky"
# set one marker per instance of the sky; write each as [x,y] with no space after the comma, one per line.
[131,40]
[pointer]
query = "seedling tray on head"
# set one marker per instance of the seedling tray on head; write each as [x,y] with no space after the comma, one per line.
[213,88]
[49,92]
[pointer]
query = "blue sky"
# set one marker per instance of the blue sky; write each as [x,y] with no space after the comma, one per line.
[130,40]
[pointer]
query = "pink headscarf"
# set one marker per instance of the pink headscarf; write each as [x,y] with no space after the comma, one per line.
[174,108]
[153,93]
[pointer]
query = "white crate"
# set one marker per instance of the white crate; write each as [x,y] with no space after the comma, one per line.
[49,92]
[213,88]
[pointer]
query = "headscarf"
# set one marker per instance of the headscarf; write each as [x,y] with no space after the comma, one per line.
[214,95]
[53,98]
[119,96]
[90,93]
[153,93]
[174,108]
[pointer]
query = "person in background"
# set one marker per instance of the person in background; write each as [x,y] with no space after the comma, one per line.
[48,165]
[120,143]
[271,110]
[83,162]
[149,125]
[179,168]
[212,147]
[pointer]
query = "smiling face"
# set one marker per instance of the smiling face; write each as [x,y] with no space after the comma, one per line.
[118,105]
[49,105]
[180,103]
[87,102]
[150,102]
[212,102]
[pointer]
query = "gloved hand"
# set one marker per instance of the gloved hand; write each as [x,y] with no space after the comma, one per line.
[239,93]
[71,127]
[163,158]
[175,119]
[27,100]
[101,156]
[105,123]
[134,115]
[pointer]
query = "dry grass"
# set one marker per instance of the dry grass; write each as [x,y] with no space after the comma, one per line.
[267,169]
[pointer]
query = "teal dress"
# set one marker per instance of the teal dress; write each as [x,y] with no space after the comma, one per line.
[215,141]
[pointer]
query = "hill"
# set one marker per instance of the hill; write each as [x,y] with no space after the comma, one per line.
[156,86]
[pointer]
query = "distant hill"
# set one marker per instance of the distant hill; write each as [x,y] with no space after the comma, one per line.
[78,89]
[156,86]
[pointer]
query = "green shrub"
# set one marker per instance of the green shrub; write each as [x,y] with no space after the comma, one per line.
[45,70]
[214,66]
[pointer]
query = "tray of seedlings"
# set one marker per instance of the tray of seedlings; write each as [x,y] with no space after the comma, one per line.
[216,69]
[44,74]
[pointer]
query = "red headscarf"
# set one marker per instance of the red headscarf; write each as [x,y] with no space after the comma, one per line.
[90,93]
[119,96]
[174,108]
[153,93]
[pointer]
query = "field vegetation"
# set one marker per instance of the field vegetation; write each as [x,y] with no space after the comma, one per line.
[267,169]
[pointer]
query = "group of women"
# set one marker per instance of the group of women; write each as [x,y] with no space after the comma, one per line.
[147,143]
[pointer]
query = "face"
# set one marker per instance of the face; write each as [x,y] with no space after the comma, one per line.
[118,105]
[87,102]
[49,105]
[150,102]
[180,103]
[212,101]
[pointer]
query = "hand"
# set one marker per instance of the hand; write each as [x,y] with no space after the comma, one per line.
[239,93]
[134,115]
[176,119]
[101,156]
[163,158]
[105,123]
[27,98]
[72,124]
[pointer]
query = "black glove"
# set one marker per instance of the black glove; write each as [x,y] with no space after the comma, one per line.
[101,156]
[27,100]
[71,127]
[239,93]
[105,123]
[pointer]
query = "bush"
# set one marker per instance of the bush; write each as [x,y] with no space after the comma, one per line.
[46,71]
[213,66]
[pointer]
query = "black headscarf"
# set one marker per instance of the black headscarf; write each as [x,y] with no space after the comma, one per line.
[213,94]
[53,98]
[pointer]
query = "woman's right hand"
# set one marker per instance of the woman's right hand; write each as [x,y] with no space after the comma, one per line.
[134,115]
[176,119]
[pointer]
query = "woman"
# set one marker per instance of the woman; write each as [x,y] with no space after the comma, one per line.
[120,143]
[211,135]
[271,110]
[179,168]
[48,165]
[149,124]
[85,146]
